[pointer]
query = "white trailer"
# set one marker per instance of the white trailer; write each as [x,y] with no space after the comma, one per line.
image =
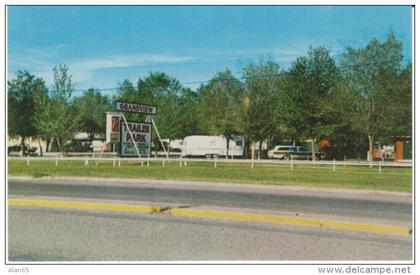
[211,146]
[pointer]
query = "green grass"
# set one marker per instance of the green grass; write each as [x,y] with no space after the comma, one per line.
[391,179]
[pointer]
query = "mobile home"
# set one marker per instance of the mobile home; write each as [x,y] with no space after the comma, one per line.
[211,146]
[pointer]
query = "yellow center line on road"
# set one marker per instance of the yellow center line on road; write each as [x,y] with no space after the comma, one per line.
[299,221]
[85,205]
[213,214]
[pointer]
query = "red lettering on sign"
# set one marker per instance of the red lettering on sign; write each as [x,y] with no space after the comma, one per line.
[115,124]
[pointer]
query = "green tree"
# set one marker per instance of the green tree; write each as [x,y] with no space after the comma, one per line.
[401,108]
[56,116]
[311,82]
[158,89]
[341,109]
[262,82]
[162,90]
[127,93]
[373,73]
[23,92]
[221,101]
[190,116]
[92,106]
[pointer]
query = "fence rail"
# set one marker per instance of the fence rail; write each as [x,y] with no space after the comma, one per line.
[86,159]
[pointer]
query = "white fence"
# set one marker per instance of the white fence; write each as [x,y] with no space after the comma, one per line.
[184,161]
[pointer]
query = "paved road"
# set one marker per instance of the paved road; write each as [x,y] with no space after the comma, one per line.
[365,208]
[66,235]
[52,234]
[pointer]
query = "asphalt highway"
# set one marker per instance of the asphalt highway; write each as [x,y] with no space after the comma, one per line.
[64,235]
[192,196]
[56,234]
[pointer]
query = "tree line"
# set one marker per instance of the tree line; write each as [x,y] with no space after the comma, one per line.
[359,98]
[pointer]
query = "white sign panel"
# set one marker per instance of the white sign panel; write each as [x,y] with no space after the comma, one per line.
[113,128]
[136,108]
[141,133]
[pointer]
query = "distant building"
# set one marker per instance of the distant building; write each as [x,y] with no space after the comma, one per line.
[80,143]
[403,148]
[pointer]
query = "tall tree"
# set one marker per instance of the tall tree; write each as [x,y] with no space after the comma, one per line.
[190,116]
[221,101]
[263,91]
[56,116]
[401,108]
[341,111]
[372,72]
[164,91]
[23,93]
[92,106]
[158,89]
[310,84]
[127,93]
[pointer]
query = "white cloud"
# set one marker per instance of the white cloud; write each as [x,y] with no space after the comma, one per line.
[41,62]
[124,61]
[89,72]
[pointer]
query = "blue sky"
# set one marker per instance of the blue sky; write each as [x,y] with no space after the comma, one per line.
[105,45]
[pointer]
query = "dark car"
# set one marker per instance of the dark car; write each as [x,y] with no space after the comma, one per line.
[27,150]
[78,146]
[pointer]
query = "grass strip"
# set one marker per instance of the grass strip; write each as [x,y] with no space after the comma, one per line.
[389,179]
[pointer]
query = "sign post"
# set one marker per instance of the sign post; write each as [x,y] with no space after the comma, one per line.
[150,118]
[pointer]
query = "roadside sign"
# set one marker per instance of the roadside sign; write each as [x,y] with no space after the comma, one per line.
[141,133]
[115,138]
[113,128]
[136,108]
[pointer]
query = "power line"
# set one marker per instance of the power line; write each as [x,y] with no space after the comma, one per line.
[184,83]
[192,63]
[251,57]
[237,77]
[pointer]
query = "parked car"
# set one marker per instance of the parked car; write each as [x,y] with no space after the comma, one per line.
[27,150]
[78,146]
[291,152]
